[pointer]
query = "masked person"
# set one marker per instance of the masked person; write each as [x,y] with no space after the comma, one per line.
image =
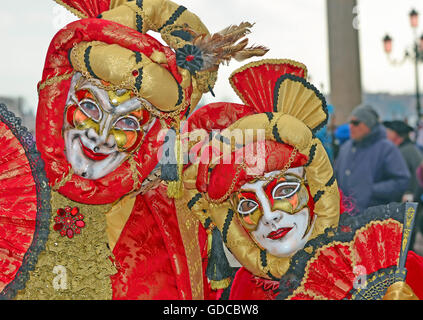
[274,200]
[108,90]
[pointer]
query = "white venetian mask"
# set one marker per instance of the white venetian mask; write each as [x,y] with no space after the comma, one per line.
[101,128]
[275,211]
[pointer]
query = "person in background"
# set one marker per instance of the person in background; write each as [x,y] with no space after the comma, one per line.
[369,168]
[399,133]
[341,134]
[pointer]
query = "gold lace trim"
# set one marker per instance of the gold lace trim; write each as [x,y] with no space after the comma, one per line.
[66,177]
[79,14]
[84,259]
[55,79]
[188,227]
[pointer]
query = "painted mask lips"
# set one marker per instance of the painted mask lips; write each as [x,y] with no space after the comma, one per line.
[278,234]
[92,155]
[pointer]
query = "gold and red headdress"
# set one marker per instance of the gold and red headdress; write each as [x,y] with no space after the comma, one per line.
[289,110]
[110,43]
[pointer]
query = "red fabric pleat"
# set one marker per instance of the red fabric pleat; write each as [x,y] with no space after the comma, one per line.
[90,8]
[256,83]
[245,288]
[331,274]
[378,246]
[145,270]
[164,213]
[150,254]
[18,205]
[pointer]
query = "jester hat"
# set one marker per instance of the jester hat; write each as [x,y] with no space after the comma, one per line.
[290,110]
[110,44]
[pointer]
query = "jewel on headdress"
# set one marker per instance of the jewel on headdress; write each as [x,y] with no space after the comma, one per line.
[190,57]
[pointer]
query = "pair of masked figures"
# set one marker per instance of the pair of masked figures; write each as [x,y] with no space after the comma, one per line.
[138,194]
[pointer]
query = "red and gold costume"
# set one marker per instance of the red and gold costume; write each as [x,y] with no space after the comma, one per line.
[131,237]
[329,264]
[125,225]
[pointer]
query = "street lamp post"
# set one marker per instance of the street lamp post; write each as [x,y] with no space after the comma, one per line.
[416,55]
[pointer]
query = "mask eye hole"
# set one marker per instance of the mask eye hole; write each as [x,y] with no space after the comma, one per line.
[246,206]
[285,190]
[91,110]
[127,123]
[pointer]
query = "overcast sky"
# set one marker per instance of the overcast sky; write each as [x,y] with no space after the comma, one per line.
[295,29]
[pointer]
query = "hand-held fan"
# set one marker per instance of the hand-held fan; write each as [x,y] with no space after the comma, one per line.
[359,260]
[377,286]
[24,204]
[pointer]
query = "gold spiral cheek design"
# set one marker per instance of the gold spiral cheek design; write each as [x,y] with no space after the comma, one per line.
[126,140]
[243,247]
[249,221]
[283,205]
[86,123]
[120,138]
[256,215]
[293,204]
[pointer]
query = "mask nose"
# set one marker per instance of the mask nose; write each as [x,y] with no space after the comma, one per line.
[105,139]
[271,218]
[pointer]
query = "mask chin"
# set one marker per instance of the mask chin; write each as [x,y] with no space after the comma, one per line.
[286,237]
[85,166]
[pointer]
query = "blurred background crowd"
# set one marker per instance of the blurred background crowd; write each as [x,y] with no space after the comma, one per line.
[377,162]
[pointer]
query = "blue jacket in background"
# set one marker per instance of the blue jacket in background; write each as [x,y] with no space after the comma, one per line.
[371,172]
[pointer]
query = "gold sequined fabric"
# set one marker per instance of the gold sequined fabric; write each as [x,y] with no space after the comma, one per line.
[77,268]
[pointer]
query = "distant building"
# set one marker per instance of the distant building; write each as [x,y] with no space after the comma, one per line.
[15,105]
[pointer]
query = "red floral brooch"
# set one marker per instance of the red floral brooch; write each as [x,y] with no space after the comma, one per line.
[69,221]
